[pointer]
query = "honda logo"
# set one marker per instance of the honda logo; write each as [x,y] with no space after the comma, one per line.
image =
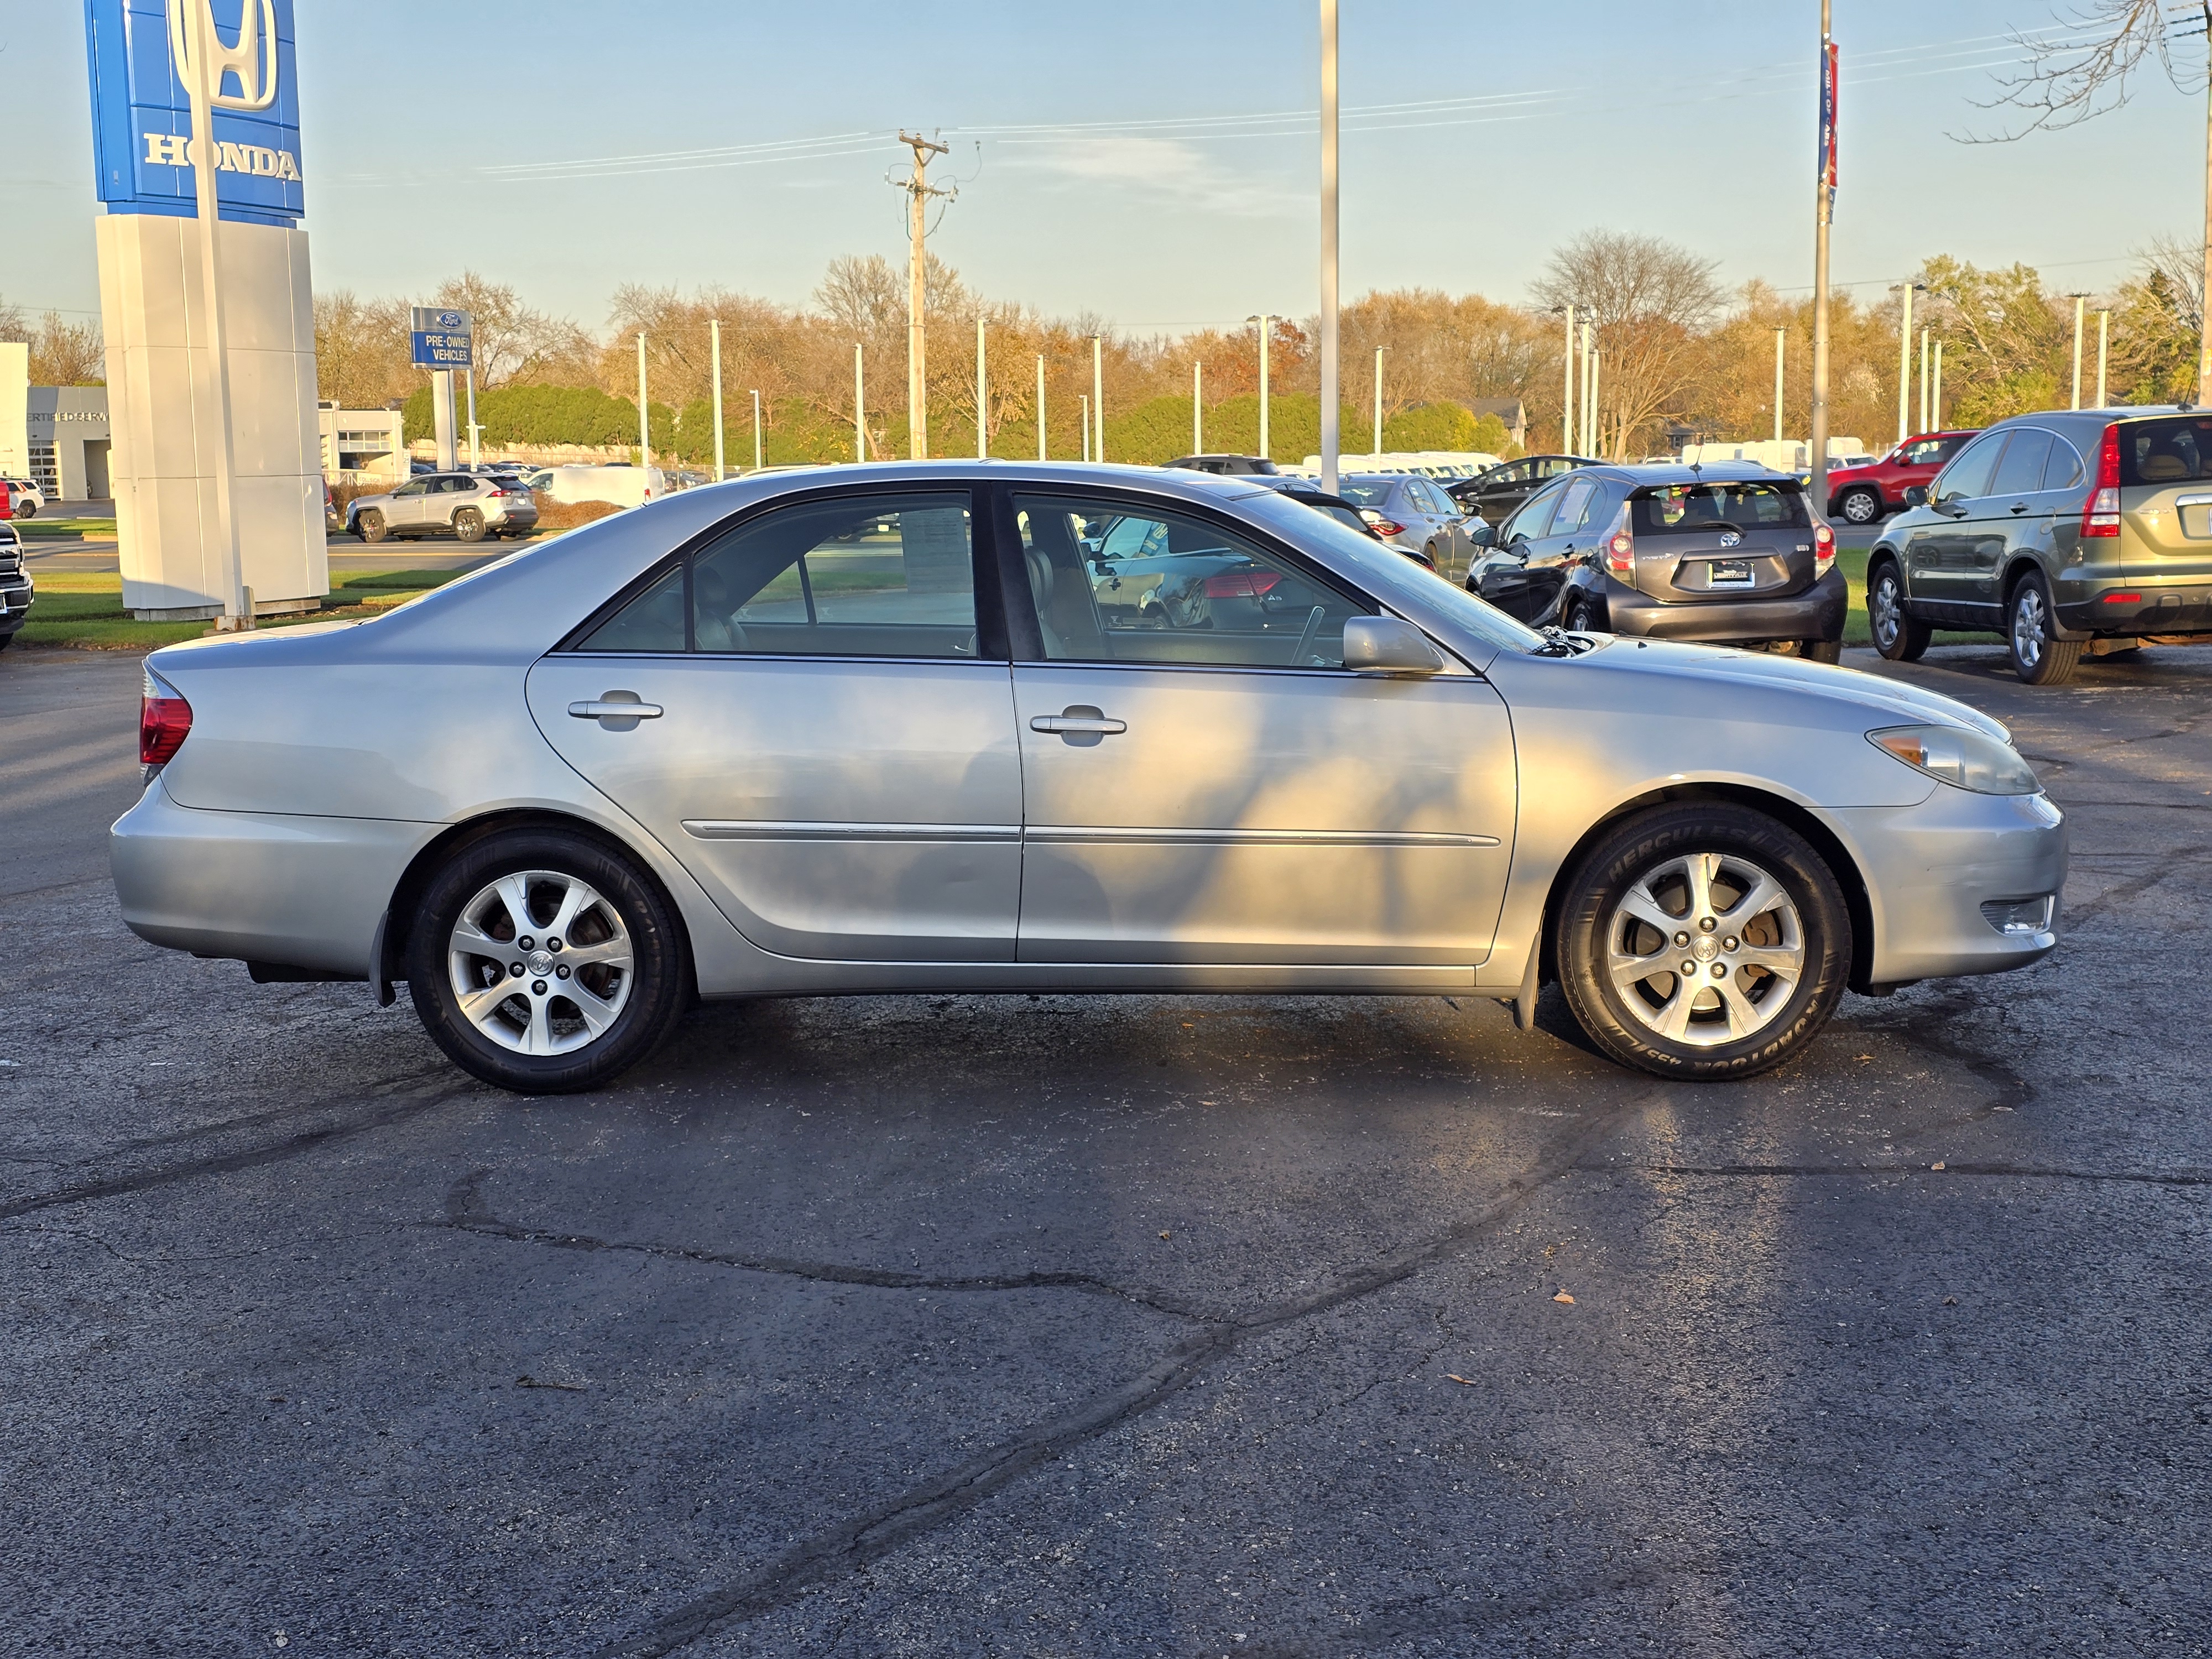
[252,57]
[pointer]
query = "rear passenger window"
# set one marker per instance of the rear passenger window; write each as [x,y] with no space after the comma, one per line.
[2063,469]
[652,622]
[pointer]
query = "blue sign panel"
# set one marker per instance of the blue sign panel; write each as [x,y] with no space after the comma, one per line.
[442,339]
[141,118]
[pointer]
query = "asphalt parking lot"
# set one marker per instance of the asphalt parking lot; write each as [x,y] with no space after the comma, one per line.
[940,1326]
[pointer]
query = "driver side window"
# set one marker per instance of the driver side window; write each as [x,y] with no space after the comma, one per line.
[1114,584]
[1534,516]
[1969,475]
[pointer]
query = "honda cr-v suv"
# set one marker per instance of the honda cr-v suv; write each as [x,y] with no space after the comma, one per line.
[2074,531]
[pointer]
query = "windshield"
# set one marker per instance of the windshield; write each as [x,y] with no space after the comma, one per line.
[1360,555]
[1687,508]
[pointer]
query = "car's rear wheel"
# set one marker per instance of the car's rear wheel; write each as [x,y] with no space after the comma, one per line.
[1701,939]
[1896,634]
[544,962]
[1860,506]
[468,525]
[2036,657]
[370,526]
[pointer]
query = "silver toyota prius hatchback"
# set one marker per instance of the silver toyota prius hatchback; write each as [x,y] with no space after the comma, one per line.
[993,727]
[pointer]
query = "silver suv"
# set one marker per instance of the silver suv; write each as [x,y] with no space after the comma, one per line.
[464,506]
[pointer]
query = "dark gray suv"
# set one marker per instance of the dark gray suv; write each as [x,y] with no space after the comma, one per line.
[2074,531]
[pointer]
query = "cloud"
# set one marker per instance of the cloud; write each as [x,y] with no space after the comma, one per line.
[1167,169]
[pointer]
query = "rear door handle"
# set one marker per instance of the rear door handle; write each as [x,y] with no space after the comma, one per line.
[620,710]
[2019,507]
[1072,722]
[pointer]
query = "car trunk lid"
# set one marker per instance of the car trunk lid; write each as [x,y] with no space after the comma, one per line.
[2166,497]
[1707,542]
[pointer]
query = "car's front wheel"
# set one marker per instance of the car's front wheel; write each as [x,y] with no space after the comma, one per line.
[1583,617]
[1860,506]
[1896,634]
[369,527]
[1701,939]
[2036,657]
[542,961]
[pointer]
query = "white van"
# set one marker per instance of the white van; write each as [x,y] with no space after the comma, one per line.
[625,486]
[1429,463]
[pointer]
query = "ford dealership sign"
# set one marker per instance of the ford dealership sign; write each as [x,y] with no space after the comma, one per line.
[142,112]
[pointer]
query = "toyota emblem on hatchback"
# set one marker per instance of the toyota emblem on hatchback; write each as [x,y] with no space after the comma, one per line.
[1730,538]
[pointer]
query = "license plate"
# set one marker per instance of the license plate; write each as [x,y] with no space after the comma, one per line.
[1729,573]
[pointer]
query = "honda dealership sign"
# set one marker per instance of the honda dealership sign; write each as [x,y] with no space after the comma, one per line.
[142,112]
[188,486]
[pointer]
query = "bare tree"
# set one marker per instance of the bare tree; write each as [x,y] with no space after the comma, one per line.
[1647,301]
[68,353]
[2088,71]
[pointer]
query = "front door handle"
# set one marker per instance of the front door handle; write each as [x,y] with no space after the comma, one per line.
[2019,507]
[1080,719]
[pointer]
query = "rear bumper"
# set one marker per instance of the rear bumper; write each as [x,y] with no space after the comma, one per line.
[2185,607]
[1815,614]
[1930,868]
[305,892]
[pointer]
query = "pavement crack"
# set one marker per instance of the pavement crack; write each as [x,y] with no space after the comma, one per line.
[2006,1171]
[857,1542]
[466,1212]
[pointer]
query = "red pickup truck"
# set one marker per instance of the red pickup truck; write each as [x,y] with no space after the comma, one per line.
[1861,494]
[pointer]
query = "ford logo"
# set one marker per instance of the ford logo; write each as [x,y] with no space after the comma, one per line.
[1730,538]
[451,319]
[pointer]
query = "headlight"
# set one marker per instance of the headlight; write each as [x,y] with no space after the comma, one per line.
[1956,755]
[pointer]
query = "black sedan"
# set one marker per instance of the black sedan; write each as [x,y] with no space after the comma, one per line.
[1723,555]
[1496,493]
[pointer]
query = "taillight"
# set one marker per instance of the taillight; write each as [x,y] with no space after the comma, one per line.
[1242,584]
[2100,513]
[1824,549]
[165,720]
[1620,553]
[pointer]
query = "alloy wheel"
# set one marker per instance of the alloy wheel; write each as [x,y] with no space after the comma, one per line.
[540,963]
[1885,609]
[1862,506]
[2027,626]
[1705,949]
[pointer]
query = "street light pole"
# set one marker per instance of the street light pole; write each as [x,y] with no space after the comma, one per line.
[1197,408]
[644,431]
[1924,380]
[1589,395]
[1935,398]
[1905,358]
[1331,438]
[2104,320]
[1266,320]
[860,409]
[1379,350]
[1098,397]
[1597,427]
[982,391]
[1567,389]
[1824,209]
[1084,399]
[1781,336]
[2080,301]
[714,336]
[756,429]
[1041,454]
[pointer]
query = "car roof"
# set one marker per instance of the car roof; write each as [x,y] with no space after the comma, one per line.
[1645,475]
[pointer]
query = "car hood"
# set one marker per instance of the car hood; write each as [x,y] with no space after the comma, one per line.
[1882,702]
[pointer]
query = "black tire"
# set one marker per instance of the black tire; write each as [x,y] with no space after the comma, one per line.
[1584,617]
[1897,633]
[1861,506]
[468,525]
[1830,651]
[368,524]
[1744,844]
[6,640]
[2036,657]
[648,994]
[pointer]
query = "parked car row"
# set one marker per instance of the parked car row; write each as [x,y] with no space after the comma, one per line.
[17,588]
[19,498]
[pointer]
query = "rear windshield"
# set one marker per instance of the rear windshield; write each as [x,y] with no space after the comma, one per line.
[1367,492]
[1681,509]
[2173,449]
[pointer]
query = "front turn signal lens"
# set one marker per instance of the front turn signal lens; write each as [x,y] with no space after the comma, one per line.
[1958,756]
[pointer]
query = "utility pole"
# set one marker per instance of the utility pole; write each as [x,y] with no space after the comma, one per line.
[714,336]
[1198,409]
[2080,301]
[1567,390]
[1331,414]
[205,82]
[644,430]
[1266,319]
[1379,350]
[1781,336]
[860,409]
[2104,320]
[1924,380]
[1905,358]
[983,399]
[1824,210]
[756,429]
[918,191]
[1041,454]
[1098,397]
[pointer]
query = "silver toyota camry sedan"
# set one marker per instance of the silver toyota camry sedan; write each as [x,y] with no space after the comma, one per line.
[991,726]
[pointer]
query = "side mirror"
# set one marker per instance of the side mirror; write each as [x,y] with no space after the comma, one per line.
[1916,494]
[1479,533]
[1385,645]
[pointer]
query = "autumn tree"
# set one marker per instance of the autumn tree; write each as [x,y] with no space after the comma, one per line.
[1647,301]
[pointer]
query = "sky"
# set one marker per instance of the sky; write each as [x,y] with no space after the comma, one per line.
[1153,164]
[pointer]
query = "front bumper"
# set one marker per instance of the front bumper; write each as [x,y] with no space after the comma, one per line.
[1815,614]
[307,892]
[1930,868]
